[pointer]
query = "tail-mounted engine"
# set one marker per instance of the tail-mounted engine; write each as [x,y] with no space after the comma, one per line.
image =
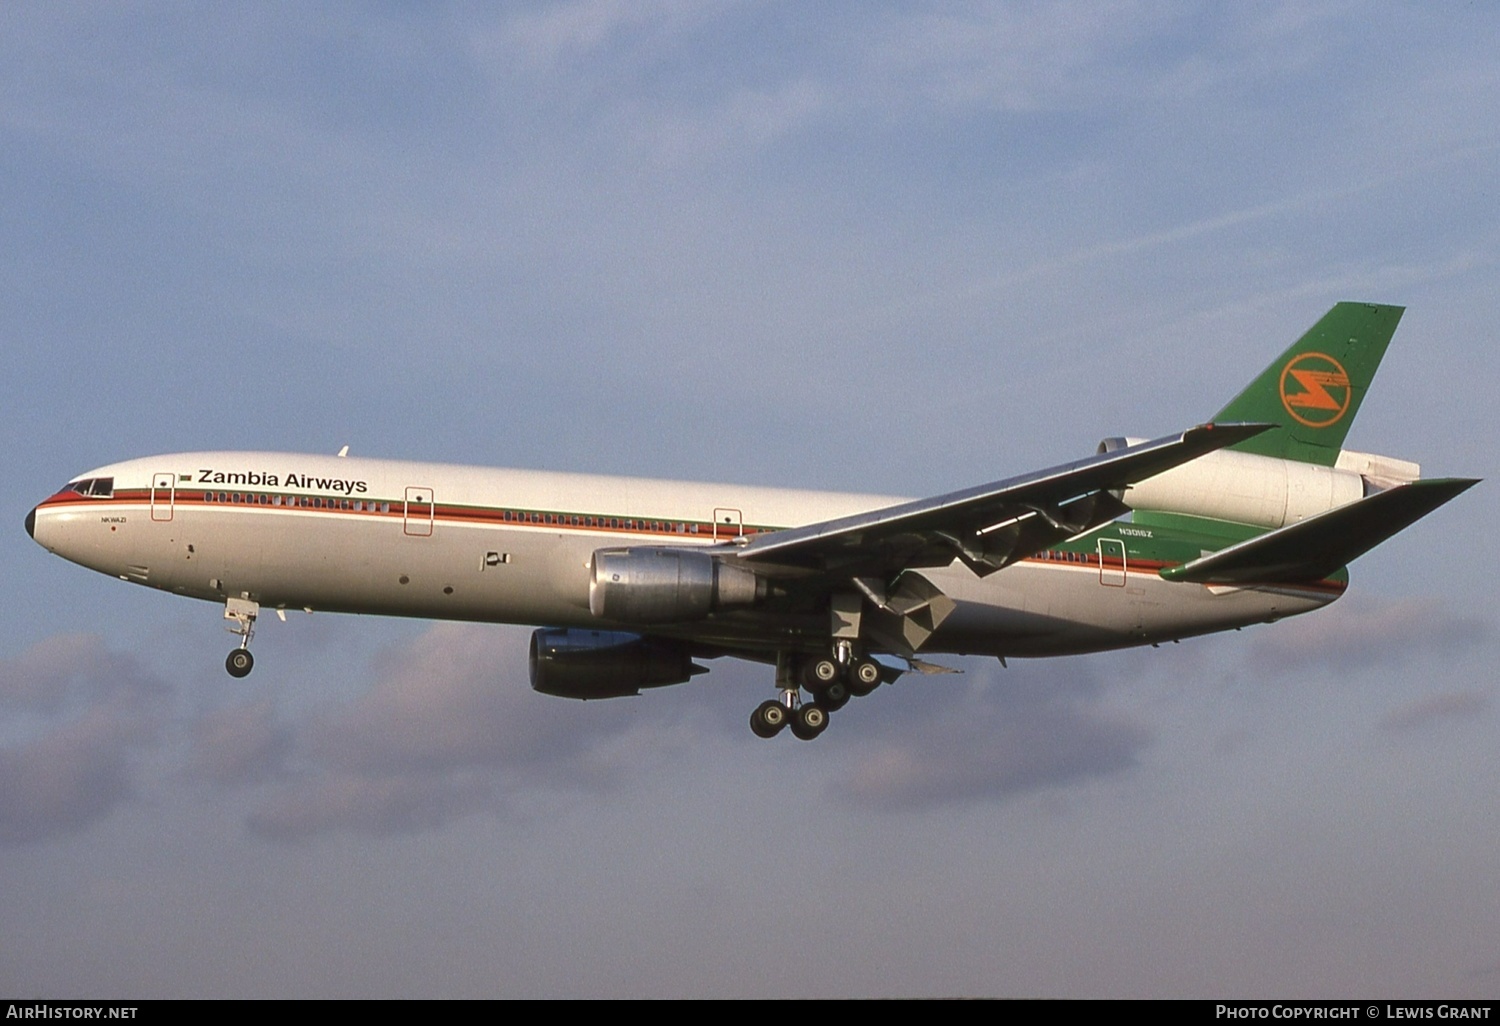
[604,664]
[667,585]
[1262,491]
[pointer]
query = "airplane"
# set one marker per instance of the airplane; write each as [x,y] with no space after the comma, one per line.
[1247,518]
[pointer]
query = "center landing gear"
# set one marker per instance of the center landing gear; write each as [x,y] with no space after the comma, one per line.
[243,612]
[830,680]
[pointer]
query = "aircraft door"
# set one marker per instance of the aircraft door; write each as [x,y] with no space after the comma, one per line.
[728,523]
[416,517]
[1112,562]
[163,496]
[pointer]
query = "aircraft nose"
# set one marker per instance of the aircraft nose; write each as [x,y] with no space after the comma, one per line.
[31,524]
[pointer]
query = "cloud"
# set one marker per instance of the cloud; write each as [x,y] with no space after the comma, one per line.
[240,745]
[578,31]
[367,803]
[989,758]
[40,677]
[69,778]
[69,667]
[455,698]
[1449,706]
[451,728]
[740,123]
[1018,59]
[1000,738]
[1354,634]
[93,708]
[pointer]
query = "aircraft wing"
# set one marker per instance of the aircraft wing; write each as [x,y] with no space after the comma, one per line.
[987,527]
[1311,549]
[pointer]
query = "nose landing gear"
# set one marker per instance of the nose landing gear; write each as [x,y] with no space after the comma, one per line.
[243,612]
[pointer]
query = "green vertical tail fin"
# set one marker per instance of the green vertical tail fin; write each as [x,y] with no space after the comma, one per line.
[1313,390]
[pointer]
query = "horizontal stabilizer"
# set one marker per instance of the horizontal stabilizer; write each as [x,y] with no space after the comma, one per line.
[1312,549]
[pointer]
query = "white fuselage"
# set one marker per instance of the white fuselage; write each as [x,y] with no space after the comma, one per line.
[516,546]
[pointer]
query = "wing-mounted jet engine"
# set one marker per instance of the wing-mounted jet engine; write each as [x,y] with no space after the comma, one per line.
[645,585]
[573,663]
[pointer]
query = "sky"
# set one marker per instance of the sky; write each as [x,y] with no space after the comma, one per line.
[888,248]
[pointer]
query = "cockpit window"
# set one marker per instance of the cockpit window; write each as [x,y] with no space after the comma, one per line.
[93,487]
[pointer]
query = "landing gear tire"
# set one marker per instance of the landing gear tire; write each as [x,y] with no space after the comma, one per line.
[809,721]
[835,697]
[239,663]
[818,674]
[769,718]
[864,677]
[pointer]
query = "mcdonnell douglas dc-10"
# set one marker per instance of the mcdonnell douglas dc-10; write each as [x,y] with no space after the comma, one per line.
[1245,519]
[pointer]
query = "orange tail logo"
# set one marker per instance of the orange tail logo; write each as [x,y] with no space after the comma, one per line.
[1320,391]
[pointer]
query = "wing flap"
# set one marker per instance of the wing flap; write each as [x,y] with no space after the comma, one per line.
[1312,549]
[903,620]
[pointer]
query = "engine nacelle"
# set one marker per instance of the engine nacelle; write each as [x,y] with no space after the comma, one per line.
[666,585]
[583,664]
[1262,491]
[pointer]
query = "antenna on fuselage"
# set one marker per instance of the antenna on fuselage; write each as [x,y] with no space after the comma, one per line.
[344,451]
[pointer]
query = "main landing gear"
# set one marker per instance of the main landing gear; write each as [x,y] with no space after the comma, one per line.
[243,612]
[807,719]
[830,680]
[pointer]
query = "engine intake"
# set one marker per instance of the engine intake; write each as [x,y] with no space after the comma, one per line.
[584,664]
[667,585]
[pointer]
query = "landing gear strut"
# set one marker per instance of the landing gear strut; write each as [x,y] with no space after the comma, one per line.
[243,612]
